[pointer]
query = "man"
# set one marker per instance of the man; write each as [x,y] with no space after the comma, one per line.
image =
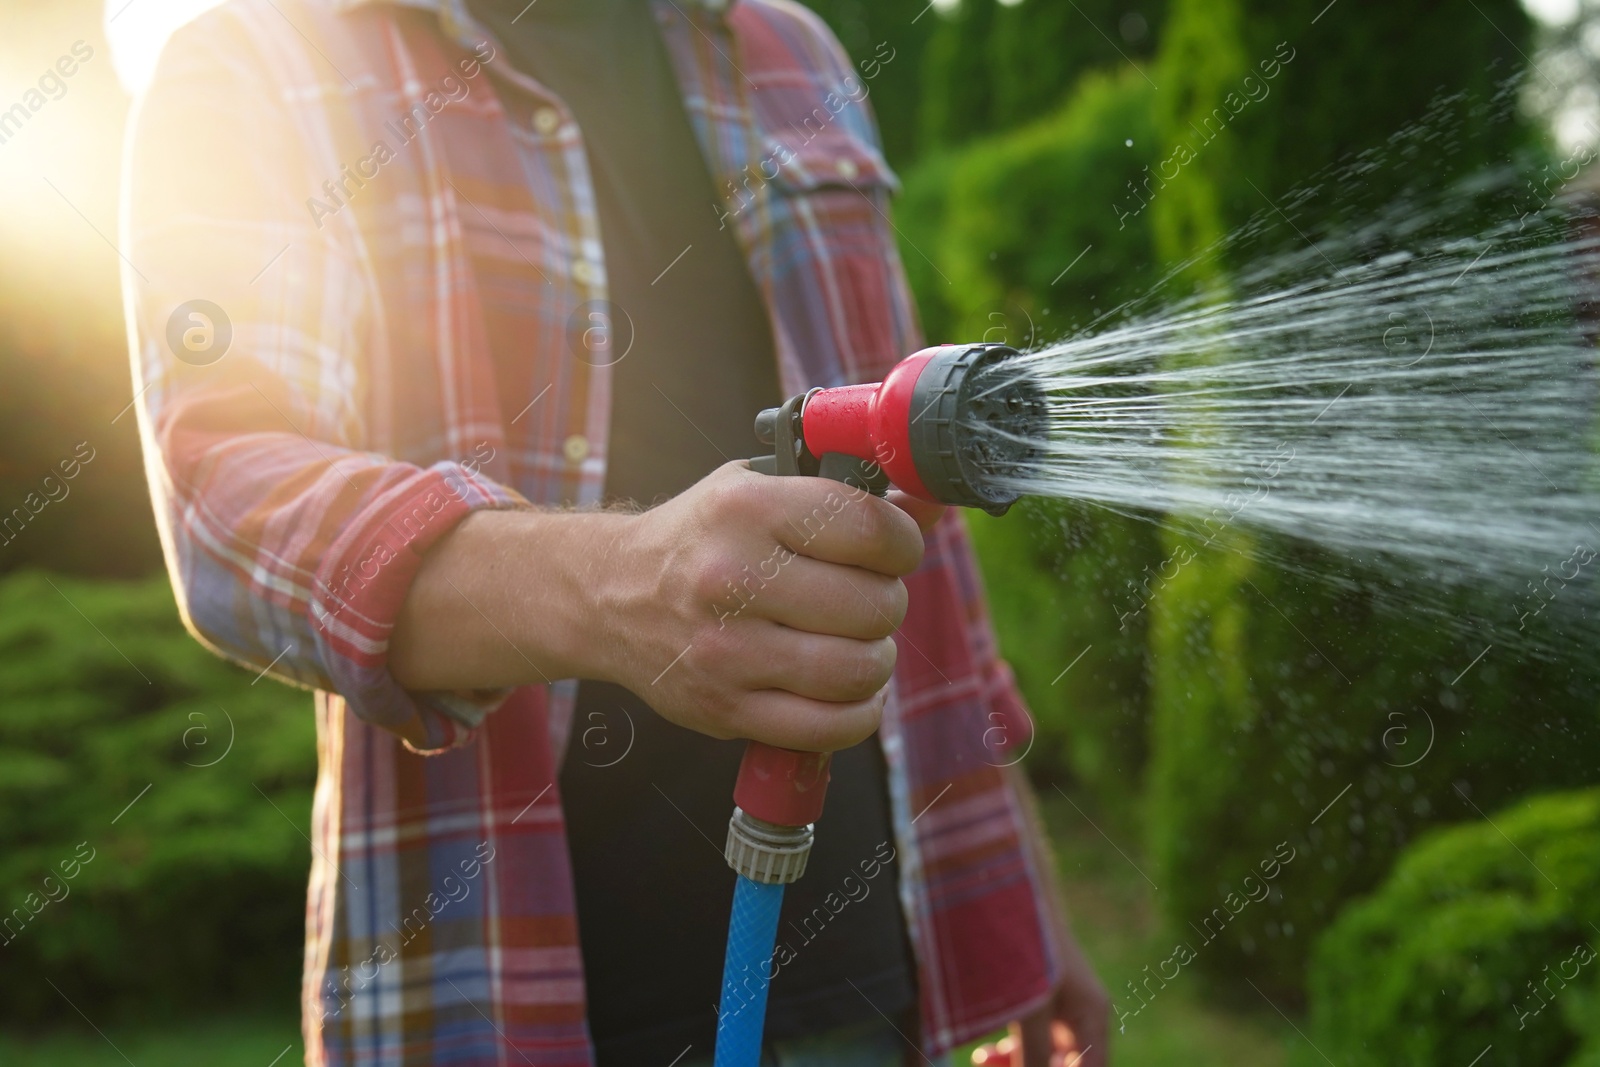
[417,287]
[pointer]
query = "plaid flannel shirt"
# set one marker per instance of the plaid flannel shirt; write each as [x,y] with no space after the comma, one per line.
[398,230]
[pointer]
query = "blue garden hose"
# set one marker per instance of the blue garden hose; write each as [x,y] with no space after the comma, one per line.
[766,856]
[746,972]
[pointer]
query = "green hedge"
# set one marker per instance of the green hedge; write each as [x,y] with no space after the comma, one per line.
[196,892]
[1275,693]
[1255,733]
[990,231]
[992,66]
[1051,570]
[1021,207]
[1484,934]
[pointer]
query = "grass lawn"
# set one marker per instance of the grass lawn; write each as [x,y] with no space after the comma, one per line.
[1113,910]
[223,1041]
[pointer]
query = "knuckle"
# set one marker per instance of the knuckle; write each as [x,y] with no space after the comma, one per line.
[875,706]
[822,732]
[732,713]
[909,544]
[902,602]
[716,646]
[889,654]
[725,497]
[860,679]
[877,625]
[869,525]
[843,726]
[868,668]
[807,509]
[720,709]
[916,547]
[895,601]
[867,718]
[713,577]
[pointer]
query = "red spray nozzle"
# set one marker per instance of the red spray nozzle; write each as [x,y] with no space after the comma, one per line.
[782,786]
[946,424]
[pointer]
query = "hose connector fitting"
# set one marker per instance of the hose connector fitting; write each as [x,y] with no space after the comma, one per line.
[766,852]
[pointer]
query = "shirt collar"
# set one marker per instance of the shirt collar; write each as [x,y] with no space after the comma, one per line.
[466,30]
[452,8]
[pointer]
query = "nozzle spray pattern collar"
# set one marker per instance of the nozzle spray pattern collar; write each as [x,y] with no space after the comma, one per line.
[949,424]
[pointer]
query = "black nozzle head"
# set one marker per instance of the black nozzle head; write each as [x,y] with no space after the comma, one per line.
[976,424]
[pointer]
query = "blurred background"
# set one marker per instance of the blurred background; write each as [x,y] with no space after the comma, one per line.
[1426,839]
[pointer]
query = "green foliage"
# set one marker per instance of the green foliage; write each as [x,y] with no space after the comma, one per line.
[1277,685]
[958,84]
[991,67]
[1483,935]
[919,216]
[212,1040]
[1022,206]
[65,368]
[1261,720]
[194,893]
[1357,77]
[1054,574]
[990,232]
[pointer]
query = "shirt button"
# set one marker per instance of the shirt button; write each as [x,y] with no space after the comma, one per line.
[576,448]
[546,119]
[585,272]
[848,169]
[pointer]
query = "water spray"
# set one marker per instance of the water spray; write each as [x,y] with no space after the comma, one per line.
[1418,401]
[948,425]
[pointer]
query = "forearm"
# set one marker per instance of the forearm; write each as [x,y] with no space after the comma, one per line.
[509,598]
[746,606]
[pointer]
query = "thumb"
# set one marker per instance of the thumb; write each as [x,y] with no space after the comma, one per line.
[926,512]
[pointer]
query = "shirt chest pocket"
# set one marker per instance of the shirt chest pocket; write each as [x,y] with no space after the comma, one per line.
[809,161]
[817,204]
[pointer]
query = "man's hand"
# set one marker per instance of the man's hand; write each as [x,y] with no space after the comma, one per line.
[927,514]
[748,606]
[762,607]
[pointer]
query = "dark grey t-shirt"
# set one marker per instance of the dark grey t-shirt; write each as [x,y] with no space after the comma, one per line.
[646,828]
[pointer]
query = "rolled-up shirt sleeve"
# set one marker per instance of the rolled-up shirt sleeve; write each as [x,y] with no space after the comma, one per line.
[291,540]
